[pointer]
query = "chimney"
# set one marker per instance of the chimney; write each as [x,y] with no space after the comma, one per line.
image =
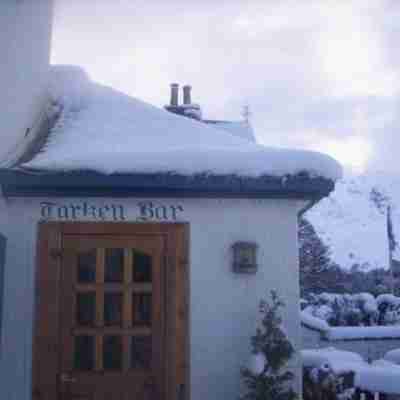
[187,109]
[186,94]
[174,94]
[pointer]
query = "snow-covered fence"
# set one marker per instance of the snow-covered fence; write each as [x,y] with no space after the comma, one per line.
[371,342]
[379,381]
[360,395]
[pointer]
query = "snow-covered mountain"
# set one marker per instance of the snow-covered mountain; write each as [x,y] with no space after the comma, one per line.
[352,220]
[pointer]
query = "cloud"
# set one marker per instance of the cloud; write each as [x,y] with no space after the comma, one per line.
[316,74]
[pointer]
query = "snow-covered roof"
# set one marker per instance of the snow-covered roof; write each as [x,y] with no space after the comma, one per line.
[103,130]
[241,129]
[105,142]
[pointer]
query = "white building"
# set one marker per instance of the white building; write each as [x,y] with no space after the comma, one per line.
[119,220]
[25,47]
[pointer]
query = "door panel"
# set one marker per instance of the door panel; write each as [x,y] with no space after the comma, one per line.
[111,326]
[111,312]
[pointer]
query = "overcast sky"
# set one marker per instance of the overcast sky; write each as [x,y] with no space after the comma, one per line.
[321,75]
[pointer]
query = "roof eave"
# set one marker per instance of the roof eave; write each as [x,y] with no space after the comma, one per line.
[20,183]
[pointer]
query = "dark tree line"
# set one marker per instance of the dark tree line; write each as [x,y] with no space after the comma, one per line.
[319,273]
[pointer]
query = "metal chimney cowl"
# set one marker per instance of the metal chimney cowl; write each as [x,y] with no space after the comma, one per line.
[174,94]
[187,109]
[187,99]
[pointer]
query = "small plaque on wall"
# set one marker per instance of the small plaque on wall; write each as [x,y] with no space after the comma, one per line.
[245,257]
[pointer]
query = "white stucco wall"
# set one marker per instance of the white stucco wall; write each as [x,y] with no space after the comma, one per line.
[223,307]
[25,47]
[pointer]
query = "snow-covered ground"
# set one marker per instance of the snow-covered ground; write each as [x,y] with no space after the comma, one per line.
[107,131]
[380,376]
[393,356]
[352,220]
[338,361]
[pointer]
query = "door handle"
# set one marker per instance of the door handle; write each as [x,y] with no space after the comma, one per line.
[66,378]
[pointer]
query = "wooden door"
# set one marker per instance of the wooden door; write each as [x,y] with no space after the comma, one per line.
[116,328]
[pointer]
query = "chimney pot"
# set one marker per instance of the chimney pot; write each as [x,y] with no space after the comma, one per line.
[187,94]
[174,94]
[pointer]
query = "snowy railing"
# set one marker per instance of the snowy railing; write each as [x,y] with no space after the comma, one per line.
[372,342]
[360,395]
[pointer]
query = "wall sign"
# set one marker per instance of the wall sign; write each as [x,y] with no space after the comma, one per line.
[160,212]
[144,211]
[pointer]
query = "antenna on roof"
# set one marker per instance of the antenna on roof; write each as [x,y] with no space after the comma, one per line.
[246,113]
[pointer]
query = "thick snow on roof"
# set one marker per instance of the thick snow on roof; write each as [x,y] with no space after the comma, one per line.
[241,129]
[107,131]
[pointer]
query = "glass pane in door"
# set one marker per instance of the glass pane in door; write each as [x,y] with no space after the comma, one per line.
[113,309]
[114,265]
[141,267]
[85,308]
[112,352]
[141,350]
[87,266]
[141,309]
[84,352]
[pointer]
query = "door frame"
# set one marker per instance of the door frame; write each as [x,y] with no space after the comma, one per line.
[46,344]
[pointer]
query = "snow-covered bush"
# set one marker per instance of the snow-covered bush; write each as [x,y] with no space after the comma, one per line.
[328,373]
[361,309]
[268,376]
[389,309]
[321,383]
